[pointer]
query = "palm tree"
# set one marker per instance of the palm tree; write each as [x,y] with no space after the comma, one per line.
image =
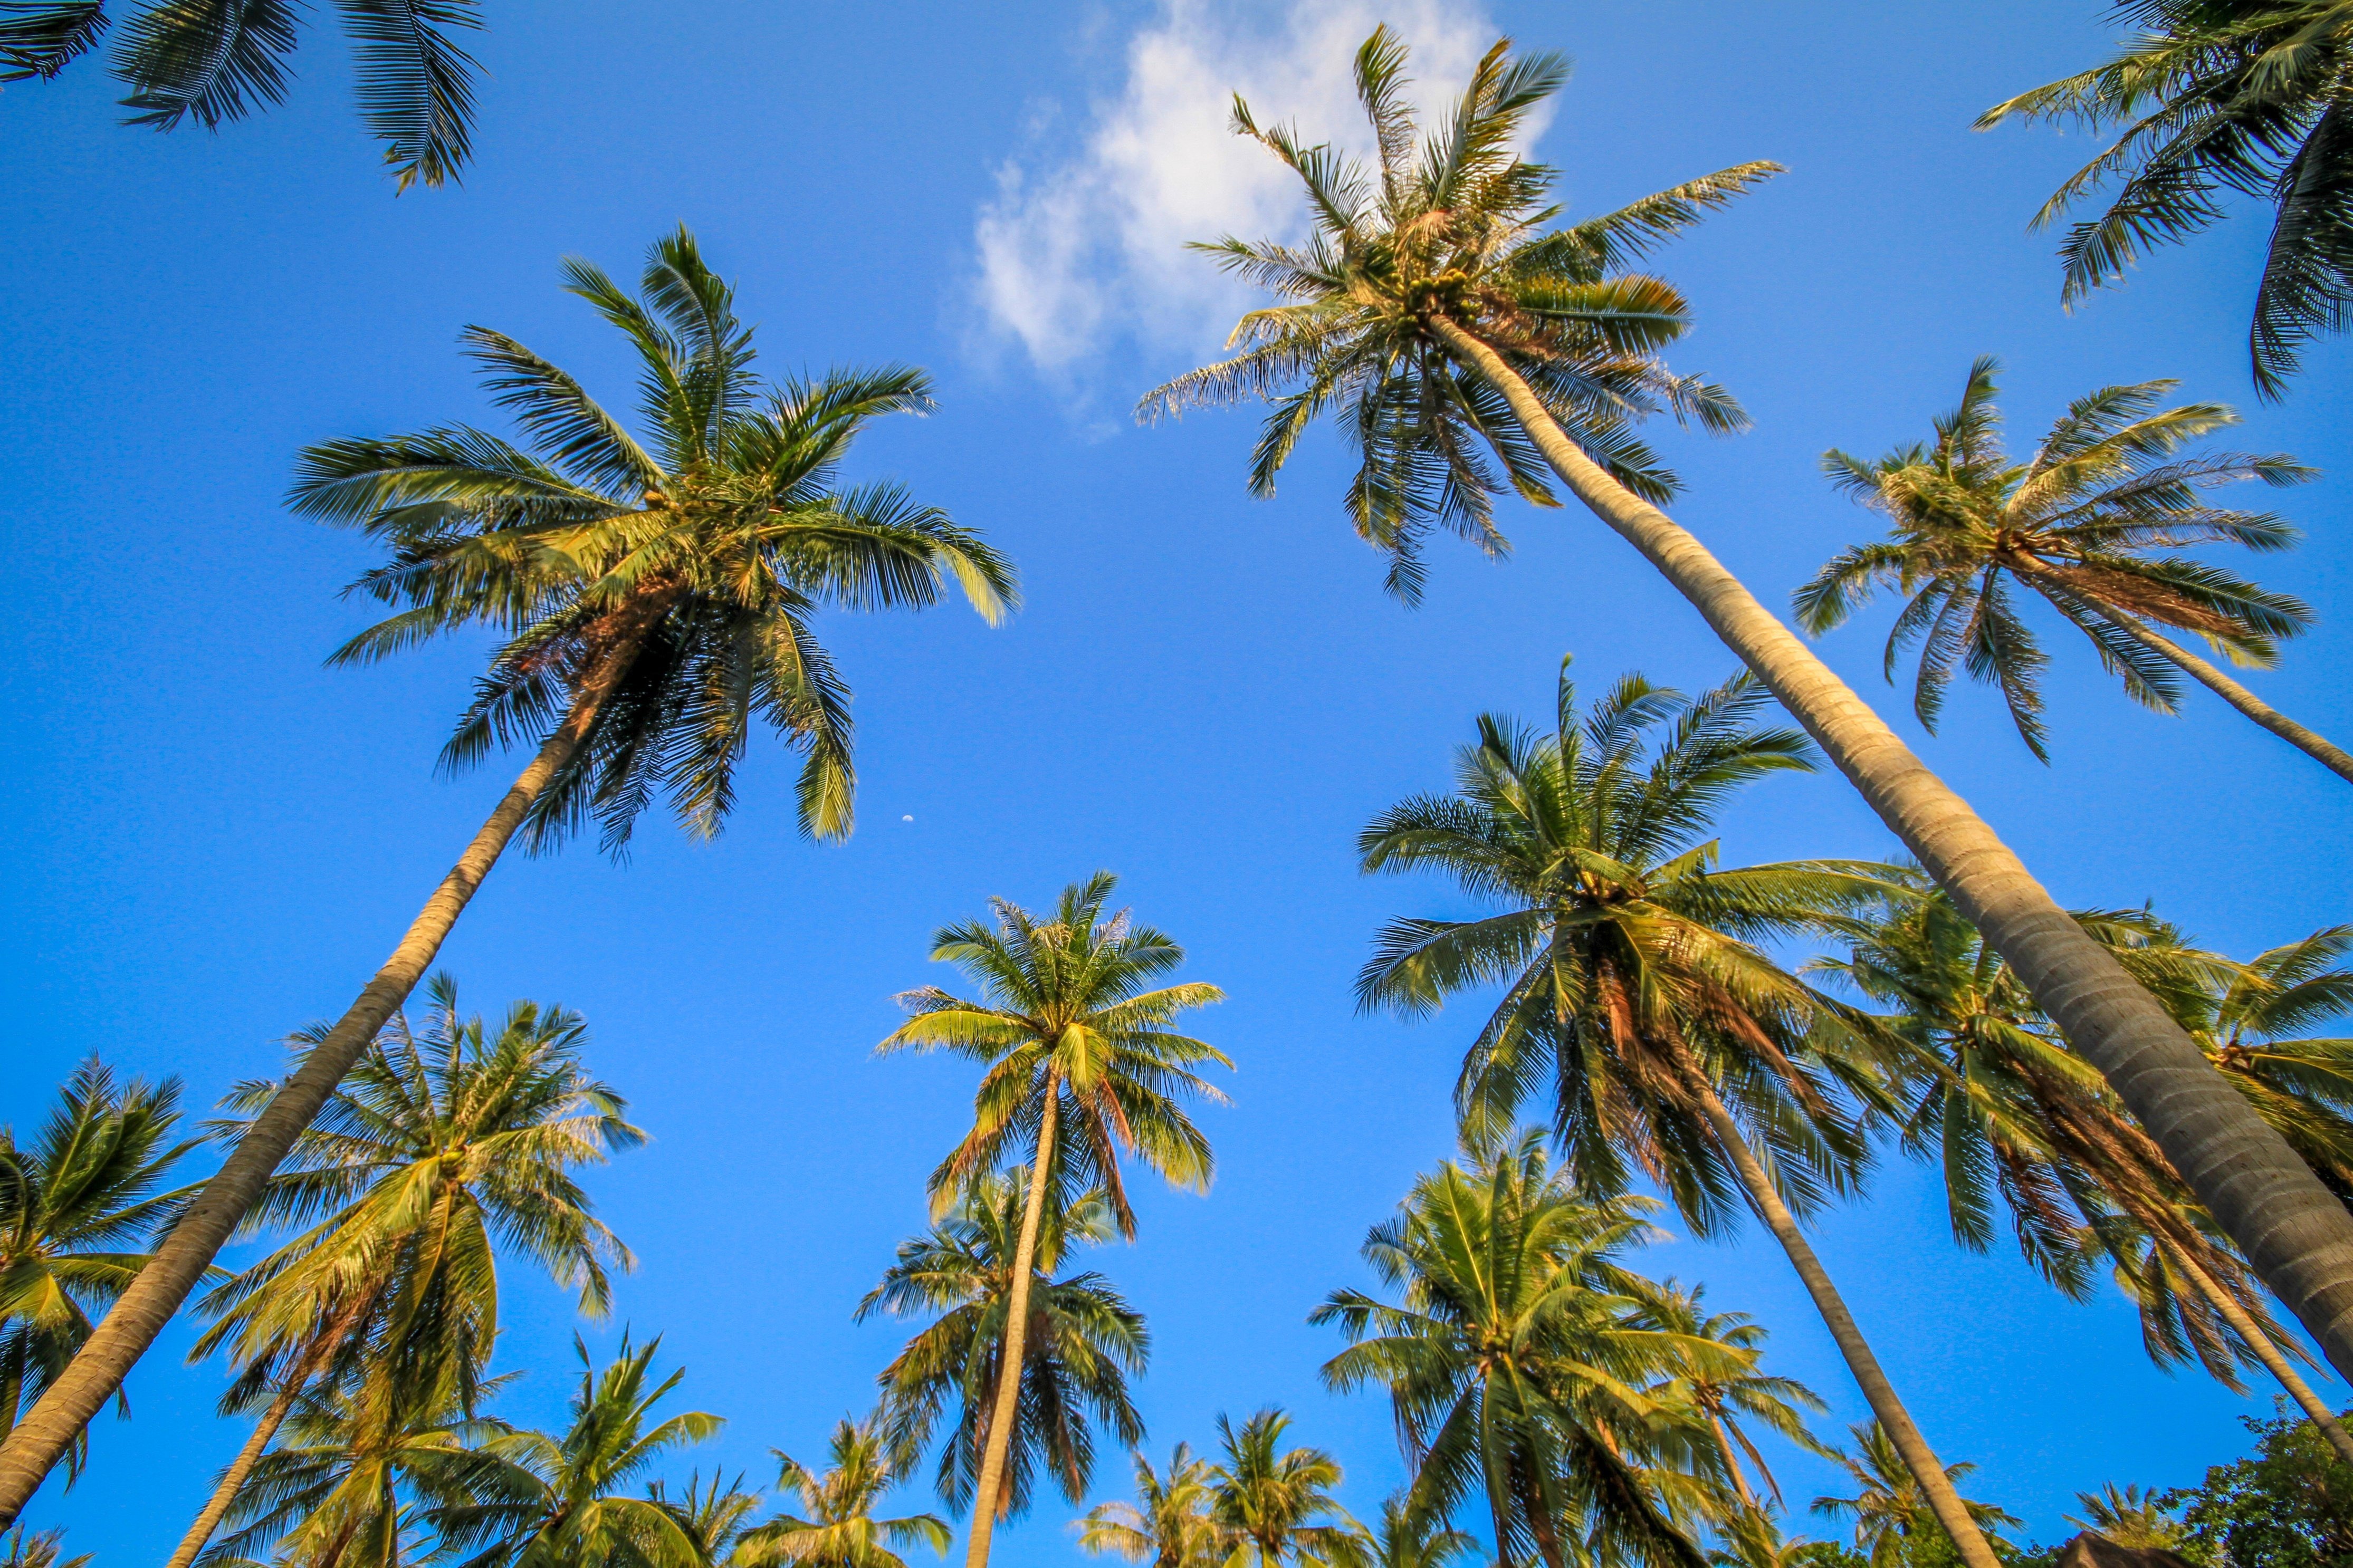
[842,1530]
[1404,1538]
[2215,97]
[69,1203]
[547,1502]
[1272,1505]
[716,1514]
[1518,1362]
[1432,288]
[1887,1508]
[2010,1115]
[657,600]
[1081,1341]
[1168,1523]
[1081,1067]
[2077,524]
[1631,986]
[216,60]
[43,1549]
[2129,1516]
[439,1146]
[1729,1385]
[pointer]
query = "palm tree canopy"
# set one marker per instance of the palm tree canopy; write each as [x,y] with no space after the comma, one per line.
[1728,1384]
[2080,523]
[1622,948]
[1168,1524]
[685,567]
[544,1501]
[1521,1357]
[1455,224]
[2129,1516]
[74,1203]
[213,61]
[2213,98]
[1064,1011]
[1082,1343]
[443,1145]
[1888,1507]
[1272,1505]
[840,1530]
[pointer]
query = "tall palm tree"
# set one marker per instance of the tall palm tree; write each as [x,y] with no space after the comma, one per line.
[657,600]
[71,1203]
[2213,98]
[1404,1538]
[215,60]
[1518,1363]
[1435,285]
[842,1530]
[1081,1067]
[2011,1117]
[1632,989]
[1729,1385]
[2077,524]
[2129,1516]
[544,1501]
[441,1146]
[1272,1505]
[716,1514]
[1168,1524]
[1887,1509]
[1081,1340]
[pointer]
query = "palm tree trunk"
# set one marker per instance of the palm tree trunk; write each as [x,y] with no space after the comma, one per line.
[1723,1441]
[2294,1232]
[163,1282]
[1927,1471]
[2275,1362]
[2317,747]
[216,1507]
[1000,1439]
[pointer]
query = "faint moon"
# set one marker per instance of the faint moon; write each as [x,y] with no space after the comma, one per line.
[906,819]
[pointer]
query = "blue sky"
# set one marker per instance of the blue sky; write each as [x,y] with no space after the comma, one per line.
[217,839]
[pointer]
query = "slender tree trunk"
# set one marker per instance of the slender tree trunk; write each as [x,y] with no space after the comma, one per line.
[1877,1392]
[2294,1232]
[2275,1362]
[2317,747]
[216,1508]
[1000,1440]
[1723,1441]
[163,1282]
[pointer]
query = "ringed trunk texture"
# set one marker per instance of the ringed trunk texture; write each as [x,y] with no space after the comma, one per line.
[2275,1360]
[2317,747]
[163,1282]
[1877,1392]
[1017,1332]
[2294,1232]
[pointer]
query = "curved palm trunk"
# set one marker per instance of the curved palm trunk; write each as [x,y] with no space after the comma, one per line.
[999,1441]
[216,1507]
[2317,747]
[1723,1440]
[2299,1236]
[1927,1472]
[2275,1362]
[163,1282]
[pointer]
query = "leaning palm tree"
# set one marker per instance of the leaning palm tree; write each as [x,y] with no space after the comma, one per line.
[216,60]
[441,1145]
[2078,525]
[72,1202]
[2214,97]
[1083,1068]
[1168,1524]
[1887,1509]
[657,601]
[842,1530]
[1634,996]
[544,1501]
[1518,1362]
[1272,1505]
[1438,315]
[1081,1342]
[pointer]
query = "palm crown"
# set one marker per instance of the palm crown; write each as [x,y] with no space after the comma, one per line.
[842,1530]
[1272,1505]
[2078,523]
[1065,1014]
[1455,226]
[675,577]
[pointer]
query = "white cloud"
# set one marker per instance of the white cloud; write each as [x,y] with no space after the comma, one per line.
[1082,252]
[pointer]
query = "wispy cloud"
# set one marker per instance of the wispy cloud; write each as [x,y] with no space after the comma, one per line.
[1084,246]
